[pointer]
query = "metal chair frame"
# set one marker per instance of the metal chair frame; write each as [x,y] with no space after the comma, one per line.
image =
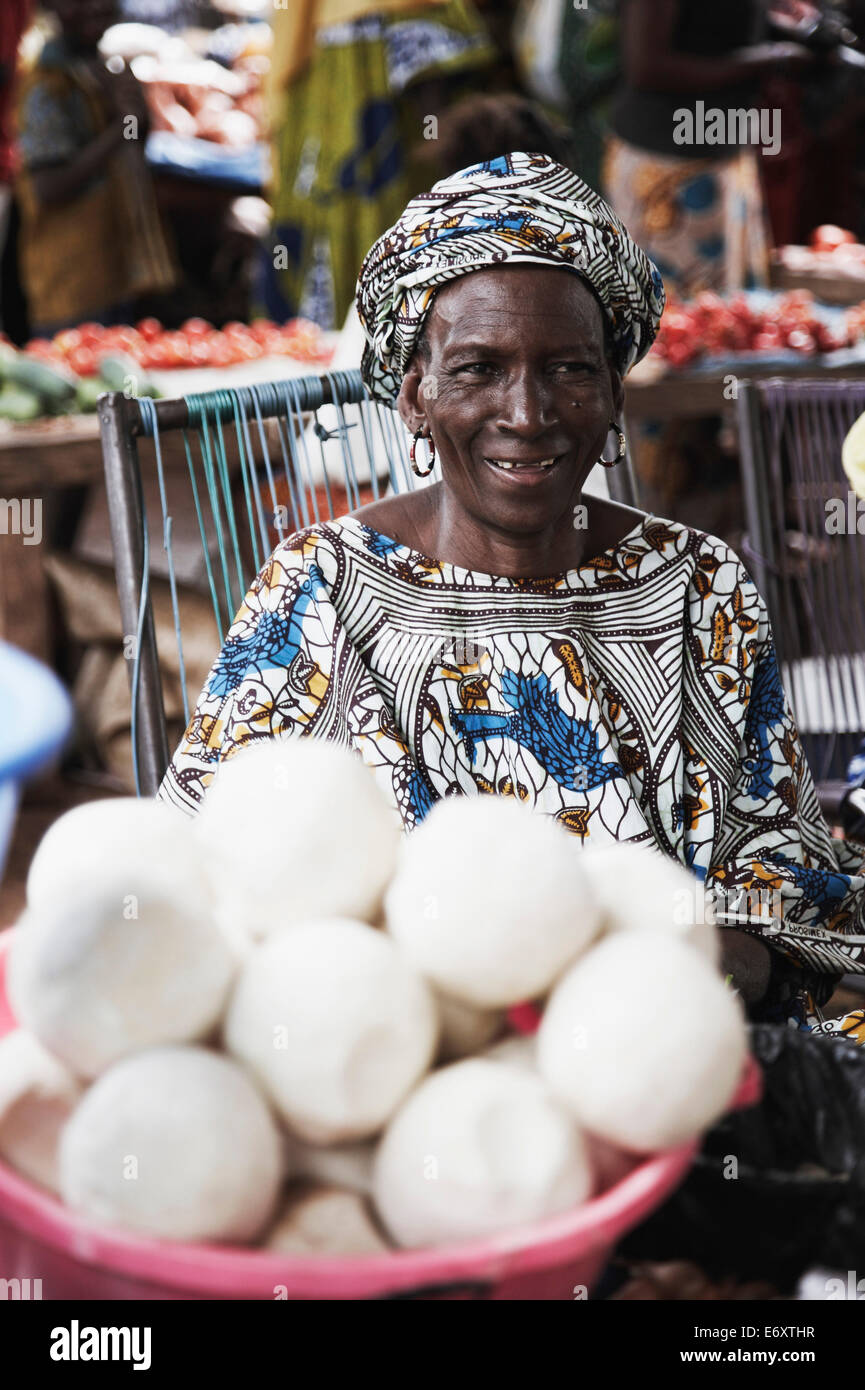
[785,476]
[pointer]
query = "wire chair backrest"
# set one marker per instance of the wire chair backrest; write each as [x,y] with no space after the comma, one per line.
[243,468]
[806,550]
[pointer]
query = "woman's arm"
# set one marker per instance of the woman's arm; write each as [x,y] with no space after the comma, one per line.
[783,884]
[652,64]
[60,183]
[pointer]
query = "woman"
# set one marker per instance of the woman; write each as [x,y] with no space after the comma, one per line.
[698,209]
[381,70]
[496,632]
[91,241]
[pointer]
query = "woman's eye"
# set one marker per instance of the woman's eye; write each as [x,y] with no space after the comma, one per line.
[560,368]
[480,368]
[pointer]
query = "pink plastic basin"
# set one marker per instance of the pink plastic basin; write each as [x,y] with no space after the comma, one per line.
[40,1239]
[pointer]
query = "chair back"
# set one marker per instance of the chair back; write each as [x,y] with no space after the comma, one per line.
[805,546]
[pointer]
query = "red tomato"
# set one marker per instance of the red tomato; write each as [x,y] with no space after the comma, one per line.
[827,237]
[801,340]
[196,328]
[766,342]
[198,350]
[68,340]
[121,338]
[150,329]
[679,354]
[261,329]
[222,351]
[91,334]
[82,360]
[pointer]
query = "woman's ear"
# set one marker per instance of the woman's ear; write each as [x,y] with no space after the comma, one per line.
[617,387]
[410,402]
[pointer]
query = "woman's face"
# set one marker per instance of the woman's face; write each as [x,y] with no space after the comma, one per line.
[517,375]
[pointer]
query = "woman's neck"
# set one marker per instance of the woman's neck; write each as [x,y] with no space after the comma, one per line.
[444,530]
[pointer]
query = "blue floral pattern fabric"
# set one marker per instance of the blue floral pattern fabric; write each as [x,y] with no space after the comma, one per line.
[635,697]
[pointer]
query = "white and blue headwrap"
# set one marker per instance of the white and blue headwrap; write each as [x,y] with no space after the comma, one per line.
[517,208]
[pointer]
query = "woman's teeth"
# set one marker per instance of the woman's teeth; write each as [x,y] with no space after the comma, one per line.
[510,463]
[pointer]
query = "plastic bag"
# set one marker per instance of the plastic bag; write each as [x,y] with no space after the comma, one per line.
[779,1187]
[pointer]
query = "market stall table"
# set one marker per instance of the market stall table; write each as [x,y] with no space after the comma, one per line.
[47,465]
[655,392]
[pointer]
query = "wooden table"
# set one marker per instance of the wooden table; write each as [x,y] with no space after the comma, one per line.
[48,464]
[683,395]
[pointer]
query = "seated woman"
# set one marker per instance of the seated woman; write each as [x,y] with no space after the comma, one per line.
[497,632]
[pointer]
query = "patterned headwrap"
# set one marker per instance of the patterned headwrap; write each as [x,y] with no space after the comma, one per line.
[517,208]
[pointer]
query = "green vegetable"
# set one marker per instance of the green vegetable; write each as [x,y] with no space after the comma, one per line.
[18,404]
[122,373]
[90,388]
[54,388]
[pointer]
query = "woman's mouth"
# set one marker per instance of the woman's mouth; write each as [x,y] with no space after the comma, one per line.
[523,471]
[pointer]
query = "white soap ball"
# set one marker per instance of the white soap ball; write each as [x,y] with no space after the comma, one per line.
[490,901]
[98,837]
[336,1026]
[37,1096]
[326,1221]
[639,889]
[133,959]
[325,839]
[343,1165]
[517,1049]
[643,1041]
[478,1147]
[463,1029]
[175,1142]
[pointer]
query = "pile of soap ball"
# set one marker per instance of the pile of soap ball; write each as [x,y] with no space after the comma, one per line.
[283,1023]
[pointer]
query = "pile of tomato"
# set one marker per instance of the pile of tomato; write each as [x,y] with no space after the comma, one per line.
[712,326]
[196,344]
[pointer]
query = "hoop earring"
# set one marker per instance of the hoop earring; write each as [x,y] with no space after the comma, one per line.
[611,463]
[432,454]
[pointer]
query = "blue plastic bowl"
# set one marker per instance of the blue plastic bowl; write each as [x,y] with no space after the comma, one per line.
[35,719]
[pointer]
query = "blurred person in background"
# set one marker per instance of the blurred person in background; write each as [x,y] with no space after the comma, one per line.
[568,57]
[699,211]
[488,124]
[354,85]
[14,17]
[91,238]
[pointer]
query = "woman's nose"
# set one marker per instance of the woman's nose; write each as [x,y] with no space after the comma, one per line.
[525,403]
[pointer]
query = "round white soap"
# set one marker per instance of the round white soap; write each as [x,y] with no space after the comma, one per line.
[37,1096]
[478,1147]
[131,959]
[517,1049]
[643,1041]
[99,837]
[319,1220]
[639,889]
[336,1026]
[344,1165]
[490,901]
[175,1142]
[325,838]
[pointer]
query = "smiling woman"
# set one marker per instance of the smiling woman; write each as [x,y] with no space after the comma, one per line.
[469,638]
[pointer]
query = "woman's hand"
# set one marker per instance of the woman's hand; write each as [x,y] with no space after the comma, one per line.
[749,962]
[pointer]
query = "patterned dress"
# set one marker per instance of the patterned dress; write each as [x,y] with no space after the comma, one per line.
[636,697]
